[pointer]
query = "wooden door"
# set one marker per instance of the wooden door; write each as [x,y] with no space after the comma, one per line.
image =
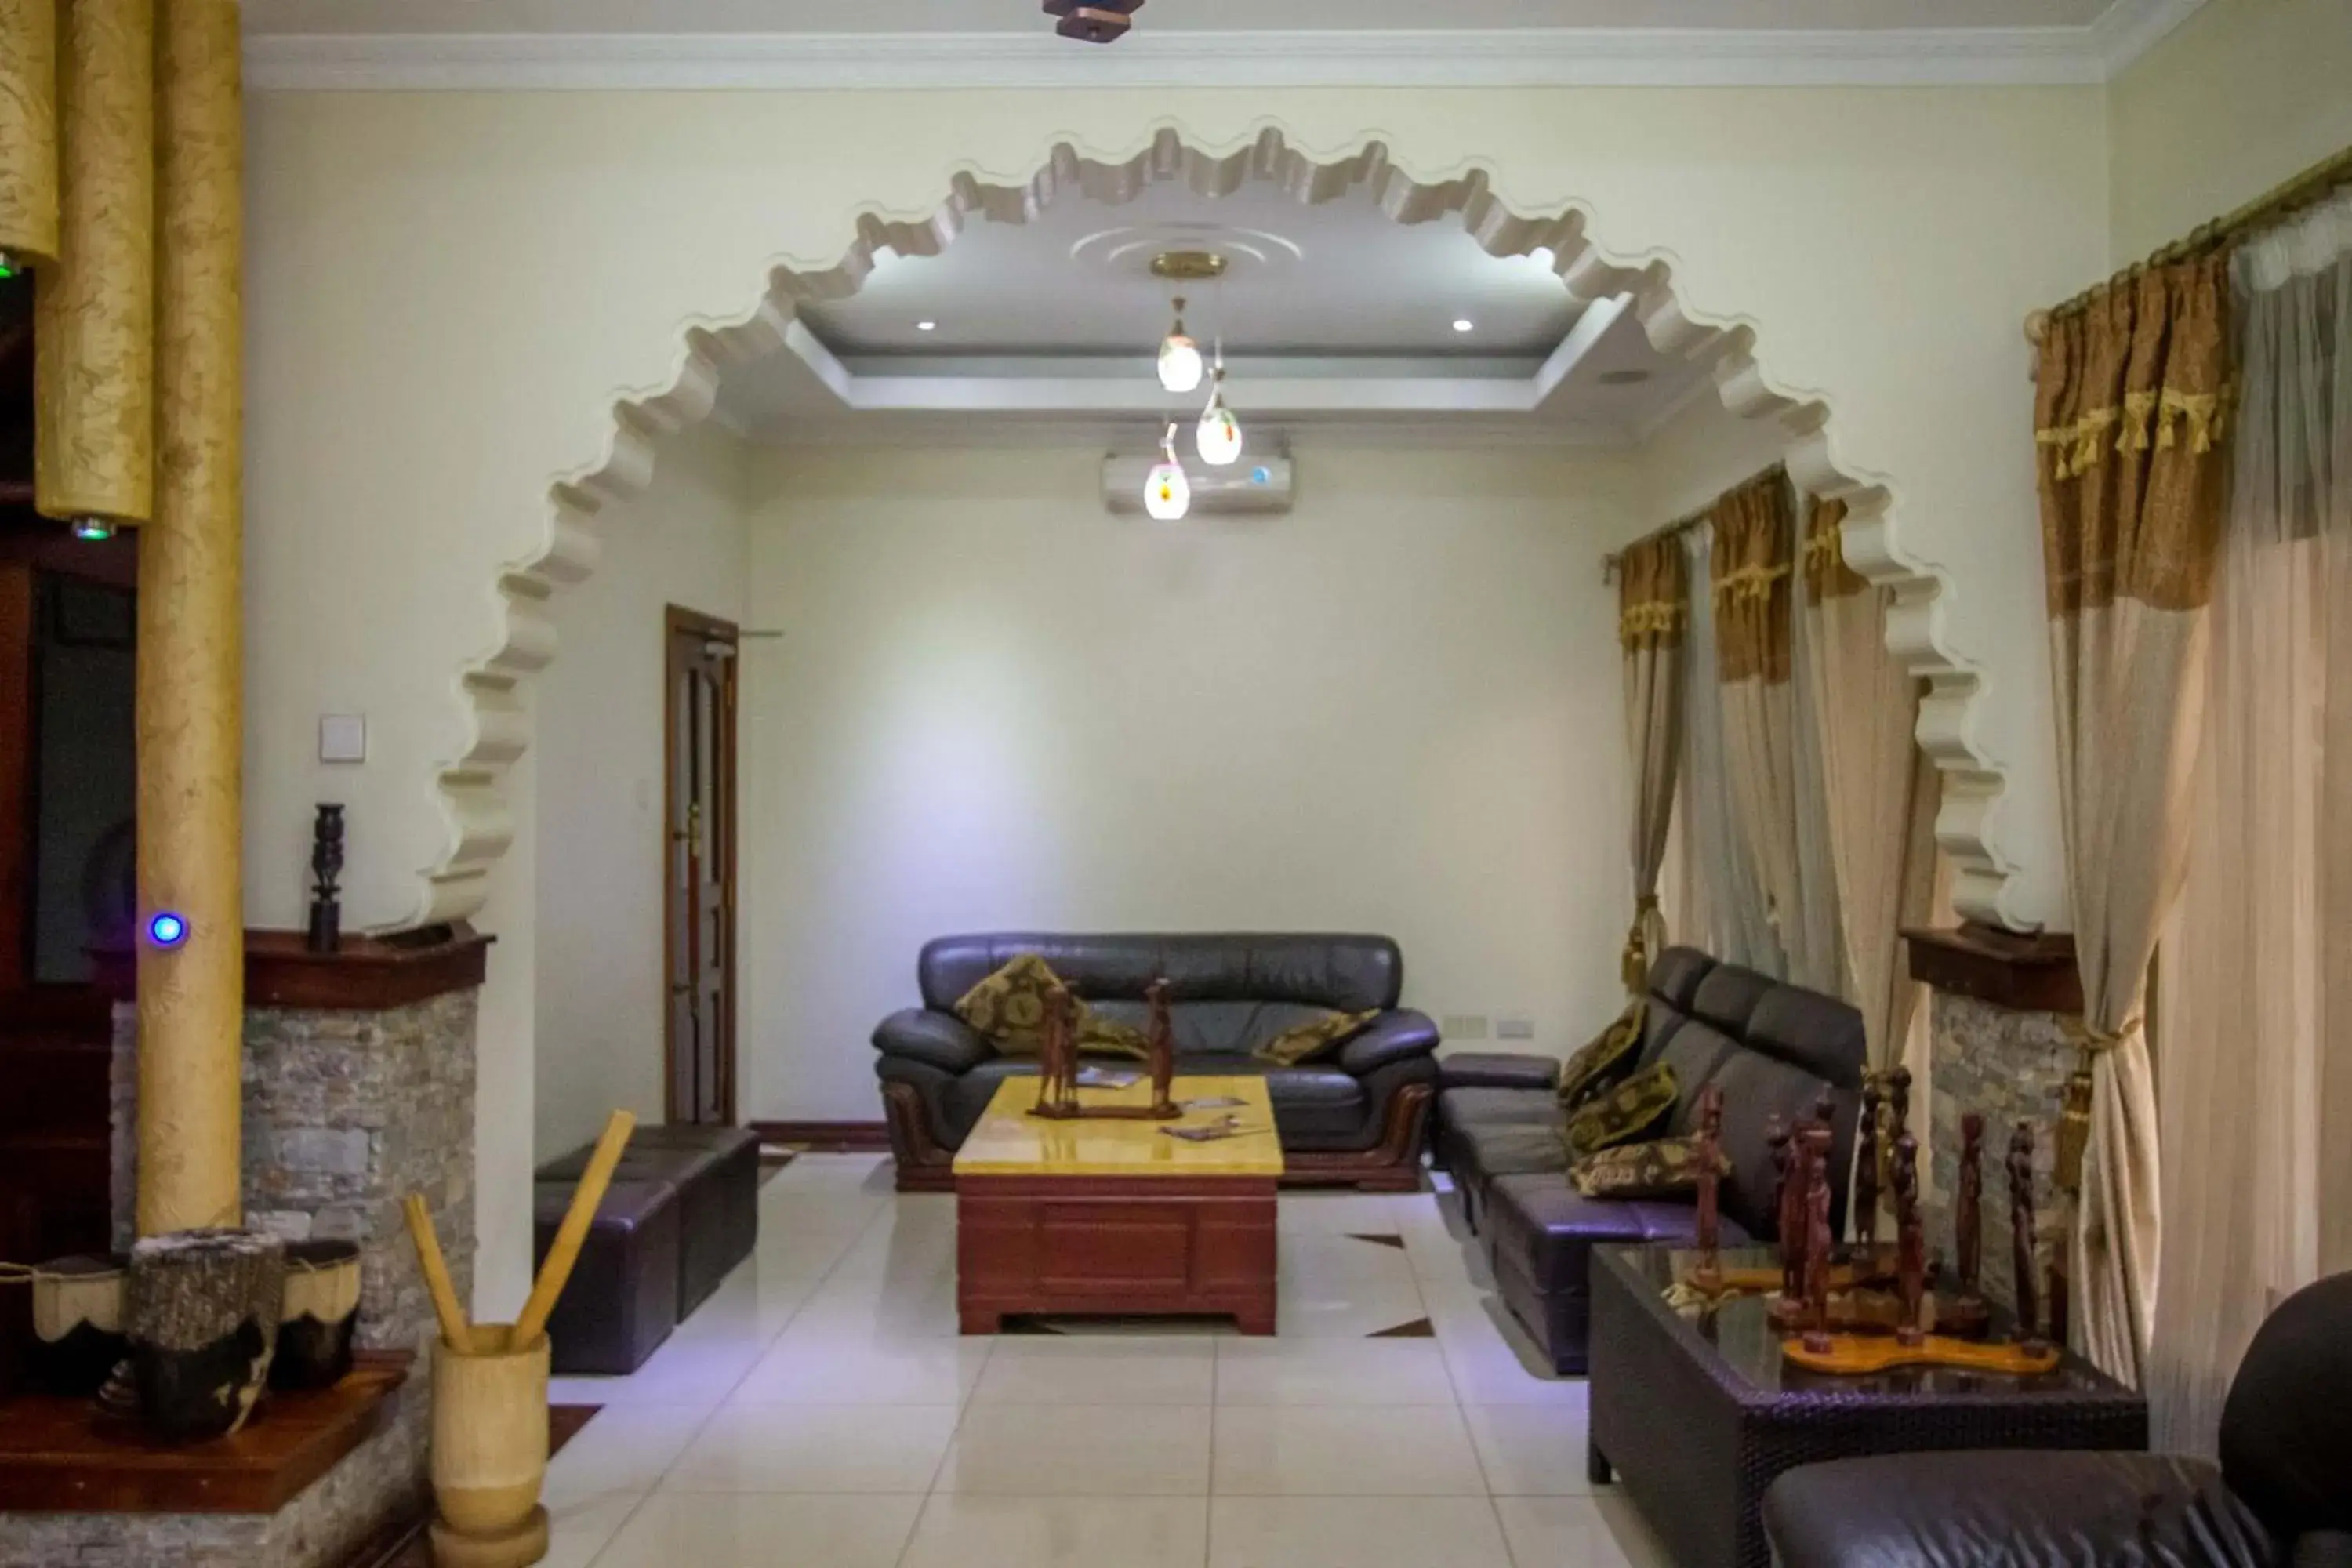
[698,859]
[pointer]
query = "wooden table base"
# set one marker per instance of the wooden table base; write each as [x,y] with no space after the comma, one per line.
[1115,1245]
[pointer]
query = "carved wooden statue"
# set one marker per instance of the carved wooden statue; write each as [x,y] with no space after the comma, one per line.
[1710,1186]
[1818,1236]
[1865,1168]
[1910,1238]
[1058,1059]
[1899,1102]
[1967,1211]
[1781,1140]
[2025,1253]
[1160,1055]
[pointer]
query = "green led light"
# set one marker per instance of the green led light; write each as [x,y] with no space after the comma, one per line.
[92,529]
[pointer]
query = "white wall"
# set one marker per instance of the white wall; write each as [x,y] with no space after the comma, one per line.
[1701,452]
[994,705]
[600,986]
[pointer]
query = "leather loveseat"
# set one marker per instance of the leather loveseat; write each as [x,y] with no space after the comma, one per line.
[1775,1049]
[1353,1116]
[2281,1496]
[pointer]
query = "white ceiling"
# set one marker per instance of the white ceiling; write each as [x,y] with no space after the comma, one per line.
[1332,315]
[328,16]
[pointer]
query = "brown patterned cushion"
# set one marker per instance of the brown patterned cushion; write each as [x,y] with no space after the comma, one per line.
[1626,1114]
[1304,1042]
[1603,1060]
[1660,1168]
[1009,1008]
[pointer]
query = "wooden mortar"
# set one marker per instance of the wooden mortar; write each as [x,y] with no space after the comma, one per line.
[489,1447]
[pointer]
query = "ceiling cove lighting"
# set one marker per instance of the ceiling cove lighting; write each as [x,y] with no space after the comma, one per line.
[927,326]
[1219,434]
[1179,356]
[1465,324]
[1167,494]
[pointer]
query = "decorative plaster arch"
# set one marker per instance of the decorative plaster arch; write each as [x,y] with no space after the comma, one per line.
[473,789]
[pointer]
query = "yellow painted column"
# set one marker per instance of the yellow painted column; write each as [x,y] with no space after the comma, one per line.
[191,639]
[28,133]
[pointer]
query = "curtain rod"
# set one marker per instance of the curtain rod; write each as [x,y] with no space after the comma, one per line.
[2282,201]
[1616,558]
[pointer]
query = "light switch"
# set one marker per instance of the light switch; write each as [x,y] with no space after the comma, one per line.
[1515,1028]
[342,738]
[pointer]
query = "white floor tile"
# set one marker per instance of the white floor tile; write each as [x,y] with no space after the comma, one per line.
[692,1371]
[624,1449]
[678,1531]
[580,1529]
[1530,1450]
[967,1531]
[1330,1450]
[811,1368]
[816,1448]
[1110,1369]
[1337,1214]
[1354,1532]
[1560,1532]
[1331,1371]
[1097,1450]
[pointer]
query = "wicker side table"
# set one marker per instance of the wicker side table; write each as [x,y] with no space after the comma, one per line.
[1697,1413]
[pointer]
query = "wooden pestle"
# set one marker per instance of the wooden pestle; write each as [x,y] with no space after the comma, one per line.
[570,1237]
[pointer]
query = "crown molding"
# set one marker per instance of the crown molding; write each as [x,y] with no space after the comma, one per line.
[1556,57]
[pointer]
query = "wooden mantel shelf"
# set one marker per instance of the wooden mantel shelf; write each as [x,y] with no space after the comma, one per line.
[367,973]
[60,1456]
[2027,972]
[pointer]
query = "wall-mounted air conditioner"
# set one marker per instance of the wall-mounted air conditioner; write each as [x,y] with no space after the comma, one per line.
[1257,483]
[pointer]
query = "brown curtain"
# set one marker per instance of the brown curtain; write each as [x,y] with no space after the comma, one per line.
[1654,608]
[1755,553]
[1881,791]
[2128,410]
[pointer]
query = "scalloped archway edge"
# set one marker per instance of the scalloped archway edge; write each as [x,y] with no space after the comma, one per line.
[473,790]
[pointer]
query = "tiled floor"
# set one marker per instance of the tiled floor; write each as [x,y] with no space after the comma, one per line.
[822,1412]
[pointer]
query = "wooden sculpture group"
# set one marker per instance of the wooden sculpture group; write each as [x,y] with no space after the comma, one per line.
[1868,1307]
[1057,1063]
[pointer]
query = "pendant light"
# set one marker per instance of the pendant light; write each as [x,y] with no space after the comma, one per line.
[1168,494]
[1179,356]
[1219,434]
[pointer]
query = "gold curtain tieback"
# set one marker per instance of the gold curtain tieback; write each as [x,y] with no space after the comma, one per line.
[2090,1039]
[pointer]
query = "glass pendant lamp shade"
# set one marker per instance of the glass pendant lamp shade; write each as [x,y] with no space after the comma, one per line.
[1220,435]
[1167,494]
[1180,357]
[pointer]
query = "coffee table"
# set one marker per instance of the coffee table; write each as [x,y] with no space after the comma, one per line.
[1115,1218]
[1697,1413]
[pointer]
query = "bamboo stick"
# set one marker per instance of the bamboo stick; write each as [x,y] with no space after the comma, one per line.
[569,1236]
[454,1330]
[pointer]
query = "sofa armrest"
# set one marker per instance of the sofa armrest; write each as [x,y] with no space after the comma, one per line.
[939,1039]
[1394,1036]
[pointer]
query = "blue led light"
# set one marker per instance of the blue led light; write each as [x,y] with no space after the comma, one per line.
[166,929]
[1261,475]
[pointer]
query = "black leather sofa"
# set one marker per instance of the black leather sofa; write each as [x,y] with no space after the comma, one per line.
[1355,1118]
[1775,1049]
[2280,1495]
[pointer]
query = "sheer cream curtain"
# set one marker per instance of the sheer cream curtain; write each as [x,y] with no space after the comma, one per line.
[2127,407]
[2255,984]
[1721,898]
[1818,957]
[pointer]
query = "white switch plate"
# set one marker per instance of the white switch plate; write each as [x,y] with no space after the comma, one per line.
[1463,1027]
[1515,1028]
[342,738]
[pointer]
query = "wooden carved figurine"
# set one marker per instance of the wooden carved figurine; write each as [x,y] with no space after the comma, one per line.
[1160,1055]
[1910,1239]
[1781,1140]
[2026,1254]
[1865,1169]
[1967,1211]
[1057,1059]
[1817,1239]
[1710,1182]
[1899,1102]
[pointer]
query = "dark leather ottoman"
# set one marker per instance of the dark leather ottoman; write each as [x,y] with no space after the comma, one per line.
[716,1170]
[621,1302]
[1496,1069]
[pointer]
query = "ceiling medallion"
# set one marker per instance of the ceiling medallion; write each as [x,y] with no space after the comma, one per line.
[1188,266]
[1094,21]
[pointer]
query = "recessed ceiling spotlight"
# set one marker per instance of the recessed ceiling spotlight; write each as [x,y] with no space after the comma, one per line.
[927,326]
[1464,324]
[1622,377]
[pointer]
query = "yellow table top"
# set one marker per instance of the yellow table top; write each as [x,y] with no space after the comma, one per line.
[1008,1141]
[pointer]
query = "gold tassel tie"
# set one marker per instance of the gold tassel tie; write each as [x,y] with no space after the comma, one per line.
[2090,1042]
[1634,964]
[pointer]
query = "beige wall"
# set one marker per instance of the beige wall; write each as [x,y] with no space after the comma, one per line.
[995,706]
[2242,95]
[1700,453]
[598,749]
[450,292]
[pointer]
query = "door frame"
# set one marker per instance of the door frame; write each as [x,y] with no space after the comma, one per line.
[678,623]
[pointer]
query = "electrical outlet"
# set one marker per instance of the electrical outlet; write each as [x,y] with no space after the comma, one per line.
[1463,1027]
[1515,1028]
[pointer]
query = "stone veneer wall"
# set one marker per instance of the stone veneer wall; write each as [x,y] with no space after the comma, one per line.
[346,1112]
[2011,1066]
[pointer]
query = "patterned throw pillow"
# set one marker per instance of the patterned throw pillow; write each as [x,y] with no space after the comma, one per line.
[1009,1008]
[1661,1168]
[1303,1043]
[1626,1114]
[1607,1057]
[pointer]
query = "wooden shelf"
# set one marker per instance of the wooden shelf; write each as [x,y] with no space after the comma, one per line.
[2029,973]
[367,973]
[60,1456]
